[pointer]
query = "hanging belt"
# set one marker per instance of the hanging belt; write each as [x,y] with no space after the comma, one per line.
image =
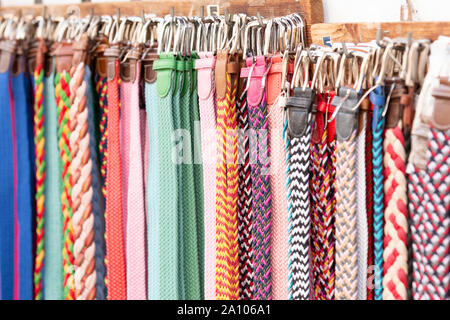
[81,178]
[7,170]
[207,101]
[39,50]
[54,273]
[115,253]
[245,198]
[24,289]
[323,254]
[64,54]
[132,165]
[98,201]
[198,170]
[260,166]
[346,195]
[369,200]
[361,208]
[377,97]
[101,86]
[395,269]
[153,187]
[279,227]
[227,261]
[298,108]
[168,249]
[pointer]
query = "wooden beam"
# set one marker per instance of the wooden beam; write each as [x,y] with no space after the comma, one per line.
[363,32]
[311,10]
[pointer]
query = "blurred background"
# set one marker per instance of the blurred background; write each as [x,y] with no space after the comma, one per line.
[334,10]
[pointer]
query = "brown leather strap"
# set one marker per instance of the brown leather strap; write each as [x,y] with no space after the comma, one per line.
[220,73]
[112,54]
[128,67]
[148,57]
[63,55]
[80,50]
[395,107]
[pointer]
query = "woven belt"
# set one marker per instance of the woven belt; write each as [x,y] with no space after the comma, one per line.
[395,268]
[260,175]
[227,263]
[279,226]
[168,244]
[299,119]
[346,195]
[23,290]
[53,273]
[8,185]
[207,101]
[115,253]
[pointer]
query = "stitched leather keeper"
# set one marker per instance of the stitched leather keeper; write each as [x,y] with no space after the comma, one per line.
[101,63]
[346,118]
[298,107]
[128,67]
[50,58]
[80,50]
[440,117]
[63,55]
[365,108]
[7,49]
[204,68]
[147,65]
[32,55]
[19,63]
[111,54]
[164,67]
[274,79]
[395,108]
[220,73]
[407,100]
[256,73]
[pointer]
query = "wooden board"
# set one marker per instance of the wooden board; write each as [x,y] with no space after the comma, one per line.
[312,10]
[362,32]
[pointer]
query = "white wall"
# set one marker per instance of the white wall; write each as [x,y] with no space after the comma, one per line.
[341,10]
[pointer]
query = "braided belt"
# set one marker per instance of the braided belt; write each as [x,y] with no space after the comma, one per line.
[377,98]
[279,227]
[298,110]
[346,196]
[260,162]
[62,93]
[395,269]
[39,150]
[227,261]
[207,101]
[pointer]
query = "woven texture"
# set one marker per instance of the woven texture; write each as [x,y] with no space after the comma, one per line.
[135,226]
[53,273]
[361,210]
[260,173]
[227,264]
[62,93]
[81,170]
[369,204]
[208,144]
[115,253]
[395,254]
[346,220]
[429,208]
[299,215]
[39,145]
[101,87]
[378,193]
[279,223]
